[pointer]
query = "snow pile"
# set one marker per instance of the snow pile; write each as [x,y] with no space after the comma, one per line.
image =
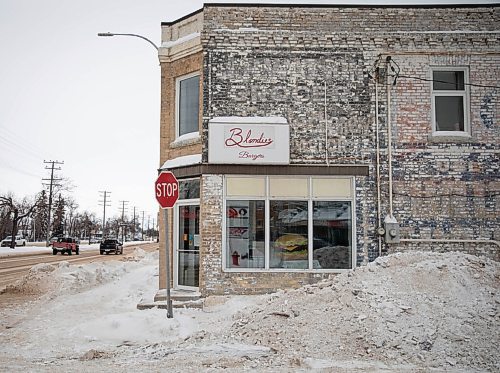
[411,309]
[51,280]
[34,282]
[403,312]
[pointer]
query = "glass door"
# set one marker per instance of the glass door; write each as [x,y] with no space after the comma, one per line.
[188,246]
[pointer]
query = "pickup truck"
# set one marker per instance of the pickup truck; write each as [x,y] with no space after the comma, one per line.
[66,245]
[111,246]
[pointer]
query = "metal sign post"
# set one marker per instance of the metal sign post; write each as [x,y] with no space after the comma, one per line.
[170,313]
[167,193]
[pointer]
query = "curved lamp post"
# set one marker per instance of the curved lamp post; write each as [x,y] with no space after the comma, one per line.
[134,35]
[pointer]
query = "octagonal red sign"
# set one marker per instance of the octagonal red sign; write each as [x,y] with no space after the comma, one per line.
[166,189]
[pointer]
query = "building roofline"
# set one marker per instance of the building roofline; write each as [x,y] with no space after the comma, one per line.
[347,5]
[170,23]
[296,5]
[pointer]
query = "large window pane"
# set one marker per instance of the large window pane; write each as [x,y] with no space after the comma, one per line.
[449,113]
[189,245]
[288,230]
[448,80]
[189,102]
[245,234]
[332,235]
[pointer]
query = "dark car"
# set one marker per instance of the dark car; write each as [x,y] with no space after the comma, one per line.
[111,246]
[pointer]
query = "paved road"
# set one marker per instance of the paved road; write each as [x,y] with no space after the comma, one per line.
[13,268]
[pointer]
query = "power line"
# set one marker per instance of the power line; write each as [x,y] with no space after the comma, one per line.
[442,81]
[26,145]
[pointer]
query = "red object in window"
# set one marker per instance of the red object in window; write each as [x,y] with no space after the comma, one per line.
[236,258]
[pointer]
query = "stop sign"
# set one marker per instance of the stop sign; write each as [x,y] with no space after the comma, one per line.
[166,189]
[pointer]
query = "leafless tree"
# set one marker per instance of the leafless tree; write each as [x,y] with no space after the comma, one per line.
[18,210]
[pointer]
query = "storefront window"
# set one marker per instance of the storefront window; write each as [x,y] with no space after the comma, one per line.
[332,234]
[287,223]
[288,234]
[245,233]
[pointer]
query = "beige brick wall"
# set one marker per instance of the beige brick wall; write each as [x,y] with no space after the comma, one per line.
[169,72]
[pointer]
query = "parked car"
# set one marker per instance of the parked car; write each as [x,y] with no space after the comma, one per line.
[111,246]
[19,241]
[67,245]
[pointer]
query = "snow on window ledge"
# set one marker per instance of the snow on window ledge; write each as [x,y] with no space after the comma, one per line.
[187,160]
[187,139]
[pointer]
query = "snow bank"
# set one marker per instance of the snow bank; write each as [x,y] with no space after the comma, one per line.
[413,309]
[404,312]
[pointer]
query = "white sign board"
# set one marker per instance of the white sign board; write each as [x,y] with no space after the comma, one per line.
[249,140]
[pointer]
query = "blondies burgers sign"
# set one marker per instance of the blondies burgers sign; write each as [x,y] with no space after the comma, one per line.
[248,140]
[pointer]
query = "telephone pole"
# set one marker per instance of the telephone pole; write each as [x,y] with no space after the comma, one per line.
[105,203]
[52,181]
[133,224]
[142,227]
[123,217]
[148,232]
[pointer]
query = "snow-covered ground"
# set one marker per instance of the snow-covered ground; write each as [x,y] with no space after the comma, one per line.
[411,312]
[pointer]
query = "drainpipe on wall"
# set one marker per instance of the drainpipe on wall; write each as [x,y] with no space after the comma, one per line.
[389,136]
[326,132]
[380,229]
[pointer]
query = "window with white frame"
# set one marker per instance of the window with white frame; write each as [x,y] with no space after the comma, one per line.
[450,101]
[288,223]
[187,104]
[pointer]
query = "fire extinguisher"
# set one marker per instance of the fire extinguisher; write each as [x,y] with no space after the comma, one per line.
[236,258]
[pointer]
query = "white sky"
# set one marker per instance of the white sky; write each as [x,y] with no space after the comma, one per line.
[94,103]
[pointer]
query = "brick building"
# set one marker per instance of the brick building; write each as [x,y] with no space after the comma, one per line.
[309,140]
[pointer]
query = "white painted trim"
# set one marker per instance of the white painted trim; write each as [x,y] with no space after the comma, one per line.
[444,93]
[310,200]
[175,243]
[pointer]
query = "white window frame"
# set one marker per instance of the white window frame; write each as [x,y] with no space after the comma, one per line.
[310,199]
[178,81]
[447,93]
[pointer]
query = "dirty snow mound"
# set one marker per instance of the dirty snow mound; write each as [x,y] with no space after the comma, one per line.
[33,283]
[406,309]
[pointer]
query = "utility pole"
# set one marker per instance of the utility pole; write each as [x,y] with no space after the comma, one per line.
[149,233]
[133,223]
[142,227]
[52,180]
[105,203]
[154,229]
[123,217]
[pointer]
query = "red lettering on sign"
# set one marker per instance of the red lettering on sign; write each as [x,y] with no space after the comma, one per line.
[246,140]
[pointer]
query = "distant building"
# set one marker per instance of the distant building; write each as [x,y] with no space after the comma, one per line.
[309,140]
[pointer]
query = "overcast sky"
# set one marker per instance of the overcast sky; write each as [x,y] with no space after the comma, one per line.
[92,102]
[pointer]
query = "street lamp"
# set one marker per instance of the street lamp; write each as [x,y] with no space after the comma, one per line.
[134,35]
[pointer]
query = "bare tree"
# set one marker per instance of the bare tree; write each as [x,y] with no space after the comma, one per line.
[18,210]
[71,216]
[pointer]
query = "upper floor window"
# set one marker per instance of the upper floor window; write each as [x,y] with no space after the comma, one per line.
[450,101]
[187,104]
